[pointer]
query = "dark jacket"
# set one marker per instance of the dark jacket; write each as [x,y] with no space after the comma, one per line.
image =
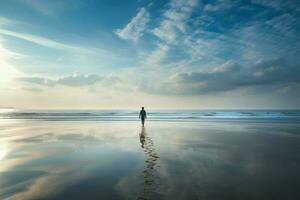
[143,114]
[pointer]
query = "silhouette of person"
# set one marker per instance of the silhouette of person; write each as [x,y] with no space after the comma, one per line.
[143,115]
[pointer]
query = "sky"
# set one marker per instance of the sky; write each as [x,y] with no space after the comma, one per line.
[161,54]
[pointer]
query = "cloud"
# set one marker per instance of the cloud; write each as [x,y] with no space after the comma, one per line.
[285,24]
[4,21]
[170,31]
[11,185]
[277,4]
[35,39]
[174,20]
[7,68]
[32,89]
[75,80]
[155,58]
[94,82]
[219,5]
[42,41]
[46,42]
[229,76]
[136,27]
[267,39]
[52,7]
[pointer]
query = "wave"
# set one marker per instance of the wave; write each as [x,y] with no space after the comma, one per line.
[131,115]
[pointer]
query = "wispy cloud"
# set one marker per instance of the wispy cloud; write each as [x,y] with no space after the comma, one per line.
[156,57]
[45,42]
[219,5]
[174,20]
[75,50]
[277,4]
[170,32]
[285,24]
[136,27]
[7,69]
[36,39]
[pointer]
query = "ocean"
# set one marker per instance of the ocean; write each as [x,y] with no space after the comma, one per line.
[153,115]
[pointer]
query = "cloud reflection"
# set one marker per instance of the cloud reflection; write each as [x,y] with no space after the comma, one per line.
[187,161]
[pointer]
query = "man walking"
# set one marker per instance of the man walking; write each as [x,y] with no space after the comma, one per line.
[143,115]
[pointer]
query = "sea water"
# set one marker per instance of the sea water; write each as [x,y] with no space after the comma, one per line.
[153,115]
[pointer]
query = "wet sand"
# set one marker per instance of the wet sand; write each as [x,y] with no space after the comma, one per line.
[163,160]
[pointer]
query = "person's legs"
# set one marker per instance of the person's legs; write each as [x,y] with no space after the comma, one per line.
[143,121]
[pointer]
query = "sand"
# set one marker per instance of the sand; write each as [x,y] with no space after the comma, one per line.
[163,160]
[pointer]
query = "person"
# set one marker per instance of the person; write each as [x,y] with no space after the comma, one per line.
[143,115]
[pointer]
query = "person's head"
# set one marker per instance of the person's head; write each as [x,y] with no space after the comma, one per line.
[142,108]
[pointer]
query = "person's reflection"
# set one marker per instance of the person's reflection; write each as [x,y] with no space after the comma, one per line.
[149,173]
[142,137]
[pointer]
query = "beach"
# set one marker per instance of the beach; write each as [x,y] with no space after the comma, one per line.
[149,100]
[204,159]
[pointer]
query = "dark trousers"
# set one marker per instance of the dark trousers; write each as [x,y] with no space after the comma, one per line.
[143,120]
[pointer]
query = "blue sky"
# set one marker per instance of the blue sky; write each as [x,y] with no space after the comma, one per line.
[165,54]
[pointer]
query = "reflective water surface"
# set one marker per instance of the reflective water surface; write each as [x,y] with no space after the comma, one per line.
[163,160]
